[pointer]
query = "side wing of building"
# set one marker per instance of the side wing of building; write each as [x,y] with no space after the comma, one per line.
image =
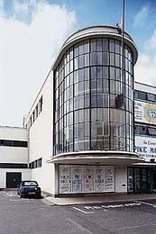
[13,156]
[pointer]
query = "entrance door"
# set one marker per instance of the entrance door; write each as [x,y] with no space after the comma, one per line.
[140,180]
[130,180]
[13,179]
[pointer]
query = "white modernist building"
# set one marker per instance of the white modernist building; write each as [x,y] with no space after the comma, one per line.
[81,125]
[80,128]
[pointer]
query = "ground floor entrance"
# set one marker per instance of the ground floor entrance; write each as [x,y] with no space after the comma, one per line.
[13,179]
[141,180]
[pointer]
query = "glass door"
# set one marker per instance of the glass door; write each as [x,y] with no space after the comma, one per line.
[136,180]
[154,180]
[130,180]
[143,180]
[140,180]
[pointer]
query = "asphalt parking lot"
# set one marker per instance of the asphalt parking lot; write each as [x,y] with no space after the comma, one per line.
[36,216]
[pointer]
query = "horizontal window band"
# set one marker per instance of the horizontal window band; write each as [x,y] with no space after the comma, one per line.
[13,143]
[13,165]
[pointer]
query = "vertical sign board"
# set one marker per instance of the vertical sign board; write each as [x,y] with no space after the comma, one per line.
[85,179]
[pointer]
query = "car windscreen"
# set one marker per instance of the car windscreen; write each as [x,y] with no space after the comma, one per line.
[30,183]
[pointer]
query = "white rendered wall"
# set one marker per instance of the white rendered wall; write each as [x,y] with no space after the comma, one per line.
[13,133]
[121,179]
[40,138]
[13,154]
[145,87]
[26,175]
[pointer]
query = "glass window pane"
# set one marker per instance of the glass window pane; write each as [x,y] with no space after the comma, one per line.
[93,58]
[86,60]
[76,63]
[105,45]
[99,44]
[76,51]
[99,72]
[81,61]
[93,45]
[99,58]
[87,74]
[112,45]
[105,58]
[86,47]
[112,59]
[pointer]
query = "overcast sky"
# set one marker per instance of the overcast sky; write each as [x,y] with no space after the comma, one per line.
[32,32]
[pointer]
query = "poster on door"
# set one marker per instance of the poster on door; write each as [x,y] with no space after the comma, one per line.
[76,172]
[110,179]
[88,179]
[65,179]
[99,179]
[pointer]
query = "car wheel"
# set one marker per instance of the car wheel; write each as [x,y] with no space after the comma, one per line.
[21,195]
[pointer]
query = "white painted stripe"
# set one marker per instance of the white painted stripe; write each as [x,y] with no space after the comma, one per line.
[21,200]
[149,204]
[113,206]
[82,211]
[97,207]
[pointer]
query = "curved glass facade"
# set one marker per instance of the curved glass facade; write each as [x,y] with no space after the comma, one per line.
[93,101]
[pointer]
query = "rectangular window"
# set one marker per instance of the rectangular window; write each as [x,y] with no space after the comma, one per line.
[142,95]
[33,116]
[36,110]
[39,162]
[99,44]
[150,97]
[40,104]
[93,45]
[76,51]
[112,45]
[12,143]
[13,165]
[152,131]
[105,45]
[119,100]
[105,58]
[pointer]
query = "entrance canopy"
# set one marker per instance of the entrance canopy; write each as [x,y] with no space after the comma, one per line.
[97,157]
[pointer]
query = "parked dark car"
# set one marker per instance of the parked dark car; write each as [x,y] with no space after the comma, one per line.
[29,188]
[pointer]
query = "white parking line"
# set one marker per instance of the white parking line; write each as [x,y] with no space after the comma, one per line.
[12,200]
[149,204]
[82,211]
[89,209]
[113,206]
